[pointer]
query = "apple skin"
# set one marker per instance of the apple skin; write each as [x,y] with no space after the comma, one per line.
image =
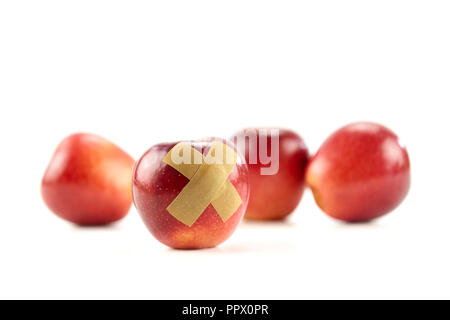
[274,197]
[155,186]
[88,181]
[361,172]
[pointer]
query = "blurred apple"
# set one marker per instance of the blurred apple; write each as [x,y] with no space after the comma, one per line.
[157,185]
[88,181]
[360,173]
[276,159]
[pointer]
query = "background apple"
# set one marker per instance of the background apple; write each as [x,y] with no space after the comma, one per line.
[274,196]
[361,172]
[88,180]
[156,184]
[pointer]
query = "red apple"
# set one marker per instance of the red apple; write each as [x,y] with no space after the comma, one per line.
[197,205]
[360,173]
[276,172]
[88,181]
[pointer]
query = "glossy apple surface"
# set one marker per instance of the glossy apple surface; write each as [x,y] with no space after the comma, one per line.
[275,196]
[360,173]
[88,181]
[155,186]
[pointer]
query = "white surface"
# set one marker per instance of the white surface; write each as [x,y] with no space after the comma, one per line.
[140,73]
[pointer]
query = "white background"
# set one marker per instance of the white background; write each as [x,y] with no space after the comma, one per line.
[144,72]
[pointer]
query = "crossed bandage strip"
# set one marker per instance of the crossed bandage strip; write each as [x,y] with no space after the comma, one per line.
[208,182]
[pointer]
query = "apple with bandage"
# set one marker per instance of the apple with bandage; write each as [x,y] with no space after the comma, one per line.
[191,194]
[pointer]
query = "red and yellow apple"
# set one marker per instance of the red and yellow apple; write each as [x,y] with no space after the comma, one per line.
[277,160]
[360,172]
[88,181]
[167,197]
